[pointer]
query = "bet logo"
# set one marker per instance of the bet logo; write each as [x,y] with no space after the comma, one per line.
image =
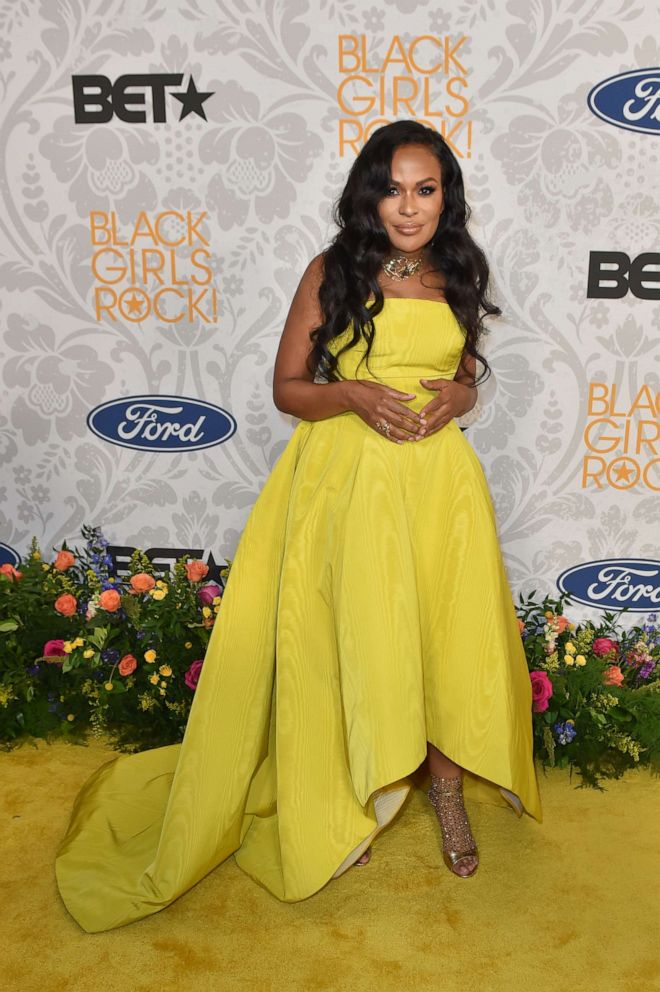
[613,274]
[96,99]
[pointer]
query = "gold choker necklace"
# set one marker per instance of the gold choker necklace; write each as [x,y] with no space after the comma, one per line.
[400,267]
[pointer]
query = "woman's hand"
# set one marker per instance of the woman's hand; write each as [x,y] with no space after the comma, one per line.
[374,402]
[453,400]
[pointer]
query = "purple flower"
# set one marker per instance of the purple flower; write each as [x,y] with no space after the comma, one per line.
[208,593]
[110,656]
[565,732]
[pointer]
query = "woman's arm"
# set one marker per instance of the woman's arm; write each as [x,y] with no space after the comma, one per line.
[294,389]
[465,375]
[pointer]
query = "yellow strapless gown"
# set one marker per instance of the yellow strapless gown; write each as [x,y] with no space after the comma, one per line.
[367,611]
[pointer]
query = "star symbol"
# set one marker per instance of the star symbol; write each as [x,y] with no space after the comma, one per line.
[133,303]
[624,471]
[192,100]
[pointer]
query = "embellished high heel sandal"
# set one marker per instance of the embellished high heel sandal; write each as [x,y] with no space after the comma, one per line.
[458,844]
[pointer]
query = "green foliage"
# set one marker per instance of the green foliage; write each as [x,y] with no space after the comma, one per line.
[601,679]
[124,672]
[117,671]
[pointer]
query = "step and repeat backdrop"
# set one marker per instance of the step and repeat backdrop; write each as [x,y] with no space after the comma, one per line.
[169,169]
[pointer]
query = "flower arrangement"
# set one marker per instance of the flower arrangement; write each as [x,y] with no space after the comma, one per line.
[86,651]
[595,690]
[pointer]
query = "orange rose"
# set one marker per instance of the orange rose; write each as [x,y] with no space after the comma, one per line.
[196,570]
[66,604]
[12,574]
[521,625]
[142,582]
[613,675]
[63,561]
[127,665]
[561,623]
[110,600]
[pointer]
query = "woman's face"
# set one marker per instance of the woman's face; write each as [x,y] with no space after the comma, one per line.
[411,208]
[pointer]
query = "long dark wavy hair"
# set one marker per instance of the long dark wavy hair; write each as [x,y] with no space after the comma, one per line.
[353,259]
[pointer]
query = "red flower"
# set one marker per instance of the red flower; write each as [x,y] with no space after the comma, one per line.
[191,678]
[53,651]
[602,646]
[541,691]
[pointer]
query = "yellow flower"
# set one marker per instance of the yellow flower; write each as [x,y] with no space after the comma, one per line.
[162,692]
[78,643]
[165,670]
[89,653]
[163,684]
[188,644]
[161,585]
[70,716]
[68,647]
[580,659]
[571,721]
[569,659]
[109,686]
[159,594]
[216,609]
[216,600]
[150,655]
[36,554]
[154,679]
[570,647]
[206,612]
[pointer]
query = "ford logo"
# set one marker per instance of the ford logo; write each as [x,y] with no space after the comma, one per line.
[629,100]
[614,583]
[161,423]
[8,556]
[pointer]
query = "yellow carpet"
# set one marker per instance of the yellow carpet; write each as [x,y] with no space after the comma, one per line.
[567,904]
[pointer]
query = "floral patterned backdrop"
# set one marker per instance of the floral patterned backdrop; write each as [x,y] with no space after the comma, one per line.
[262,154]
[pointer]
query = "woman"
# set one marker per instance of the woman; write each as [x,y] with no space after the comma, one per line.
[367,622]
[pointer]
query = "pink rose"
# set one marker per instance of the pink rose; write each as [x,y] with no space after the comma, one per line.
[191,678]
[53,651]
[207,594]
[612,675]
[541,691]
[603,645]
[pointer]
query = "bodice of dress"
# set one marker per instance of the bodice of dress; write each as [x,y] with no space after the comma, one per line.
[414,339]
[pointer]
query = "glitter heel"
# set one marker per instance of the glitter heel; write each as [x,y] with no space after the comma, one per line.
[446,796]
